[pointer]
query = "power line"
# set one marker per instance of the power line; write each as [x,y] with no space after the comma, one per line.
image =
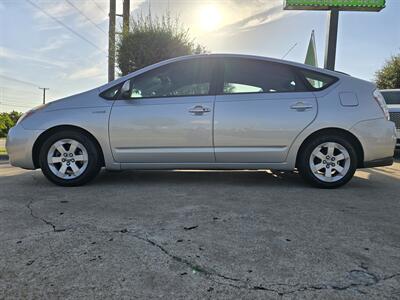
[99,7]
[11,89]
[19,80]
[65,26]
[12,98]
[18,100]
[85,16]
[16,105]
[290,50]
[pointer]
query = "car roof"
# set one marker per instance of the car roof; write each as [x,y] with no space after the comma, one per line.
[221,55]
[271,59]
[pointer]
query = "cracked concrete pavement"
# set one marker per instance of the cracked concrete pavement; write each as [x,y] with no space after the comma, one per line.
[200,235]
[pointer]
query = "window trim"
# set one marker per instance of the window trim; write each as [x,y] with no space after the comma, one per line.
[218,78]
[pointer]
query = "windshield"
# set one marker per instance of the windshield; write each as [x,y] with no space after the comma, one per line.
[391,97]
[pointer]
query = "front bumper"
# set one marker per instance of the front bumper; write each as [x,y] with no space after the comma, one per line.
[19,146]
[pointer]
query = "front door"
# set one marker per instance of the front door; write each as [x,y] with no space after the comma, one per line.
[168,116]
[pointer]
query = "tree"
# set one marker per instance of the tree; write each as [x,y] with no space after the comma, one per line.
[153,39]
[8,120]
[389,76]
[14,116]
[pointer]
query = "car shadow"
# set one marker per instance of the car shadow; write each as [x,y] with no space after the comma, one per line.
[201,177]
[244,178]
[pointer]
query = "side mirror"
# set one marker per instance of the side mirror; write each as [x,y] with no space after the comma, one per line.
[126,89]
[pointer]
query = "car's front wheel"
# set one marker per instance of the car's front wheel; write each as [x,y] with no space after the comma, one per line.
[69,158]
[328,161]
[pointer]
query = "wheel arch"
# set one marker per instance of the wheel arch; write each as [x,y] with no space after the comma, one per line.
[44,135]
[336,131]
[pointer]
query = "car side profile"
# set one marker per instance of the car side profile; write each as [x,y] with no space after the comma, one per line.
[211,111]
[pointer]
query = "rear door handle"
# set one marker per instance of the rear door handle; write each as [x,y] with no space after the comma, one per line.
[301,106]
[199,110]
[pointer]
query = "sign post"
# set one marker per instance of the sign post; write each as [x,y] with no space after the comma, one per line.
[334,6]
[331,40]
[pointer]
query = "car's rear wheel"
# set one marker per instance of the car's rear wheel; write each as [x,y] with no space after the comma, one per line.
[328,161]
[69,158]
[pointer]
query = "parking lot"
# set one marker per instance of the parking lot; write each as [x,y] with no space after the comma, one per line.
[196,235]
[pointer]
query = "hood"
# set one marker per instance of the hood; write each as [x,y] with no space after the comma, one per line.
[86,99]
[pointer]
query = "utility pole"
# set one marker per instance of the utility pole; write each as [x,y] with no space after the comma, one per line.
[44,94]
[112,33]
[125,16]
[111,42]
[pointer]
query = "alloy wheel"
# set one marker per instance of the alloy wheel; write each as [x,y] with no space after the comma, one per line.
[67,159]
[330,162]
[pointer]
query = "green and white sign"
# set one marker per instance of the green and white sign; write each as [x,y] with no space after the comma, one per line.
[352,5]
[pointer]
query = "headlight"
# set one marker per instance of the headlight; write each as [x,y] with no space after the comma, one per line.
[382,104]
[30,112]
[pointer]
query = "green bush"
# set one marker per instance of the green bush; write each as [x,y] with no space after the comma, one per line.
[151,40]
[389,76]
[8,120]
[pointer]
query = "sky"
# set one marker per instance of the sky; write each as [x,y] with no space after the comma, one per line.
[62,44]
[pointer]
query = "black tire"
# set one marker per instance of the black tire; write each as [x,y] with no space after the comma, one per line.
[303,162]
[94,162]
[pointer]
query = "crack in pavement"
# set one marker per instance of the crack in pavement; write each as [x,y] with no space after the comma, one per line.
[193,266]
[241,284]
[238,283]
[55,229]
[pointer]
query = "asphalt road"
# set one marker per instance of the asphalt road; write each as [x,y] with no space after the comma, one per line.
[199,235]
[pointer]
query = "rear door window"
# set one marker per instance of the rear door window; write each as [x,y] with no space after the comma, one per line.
[257,76]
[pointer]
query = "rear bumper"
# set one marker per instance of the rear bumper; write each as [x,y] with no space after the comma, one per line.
[388,161]
[378,140]
[19,146]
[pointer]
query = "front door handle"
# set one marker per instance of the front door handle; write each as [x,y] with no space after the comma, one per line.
[301,106]
[199,110]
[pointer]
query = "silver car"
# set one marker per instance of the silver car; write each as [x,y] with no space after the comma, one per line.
[212,111]
[392,99]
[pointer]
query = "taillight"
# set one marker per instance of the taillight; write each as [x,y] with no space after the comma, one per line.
[381,102]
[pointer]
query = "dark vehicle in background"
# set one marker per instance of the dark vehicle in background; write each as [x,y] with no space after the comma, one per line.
[392,99]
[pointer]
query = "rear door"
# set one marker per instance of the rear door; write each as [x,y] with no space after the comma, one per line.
[261,107]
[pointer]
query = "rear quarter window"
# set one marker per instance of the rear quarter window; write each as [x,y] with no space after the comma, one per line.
[317,81]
